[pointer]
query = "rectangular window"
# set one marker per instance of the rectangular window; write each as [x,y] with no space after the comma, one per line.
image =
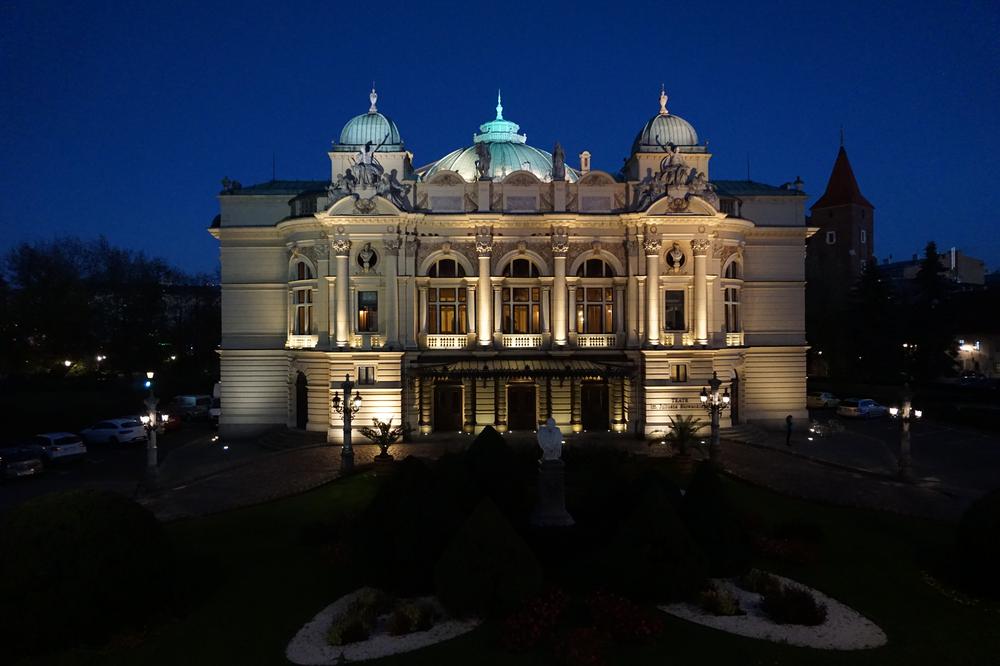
[366,374]
[831,237]
[674,316]
[367,311]
[302,312]
[732,308]
[678,372]
[864,235]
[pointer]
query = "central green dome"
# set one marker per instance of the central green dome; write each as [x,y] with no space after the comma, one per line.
[509,152]
[372,126]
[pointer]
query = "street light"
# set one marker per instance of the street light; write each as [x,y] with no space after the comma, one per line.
[714,404]
[150,423]
[906,414]
[347,408]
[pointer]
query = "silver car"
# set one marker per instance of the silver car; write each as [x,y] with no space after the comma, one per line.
[114,431]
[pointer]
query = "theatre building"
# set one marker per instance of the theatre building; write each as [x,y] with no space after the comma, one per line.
[498,285]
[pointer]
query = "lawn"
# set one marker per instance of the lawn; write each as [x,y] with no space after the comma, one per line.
[259,578]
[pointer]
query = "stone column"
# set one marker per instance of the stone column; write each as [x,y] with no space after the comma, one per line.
[470,307]
[652,248]
[619,309]
[699,248]
[423,310]
[560,246]
[497,308]
[632,297]
[392,293]
[484,249]
[321,320]
[342,252]
[571,327]
[546,297]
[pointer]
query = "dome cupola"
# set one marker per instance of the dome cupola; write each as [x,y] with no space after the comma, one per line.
[665,129]
[508,152]
[373,127]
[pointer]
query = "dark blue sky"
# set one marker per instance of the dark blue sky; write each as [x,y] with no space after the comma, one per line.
[121,118]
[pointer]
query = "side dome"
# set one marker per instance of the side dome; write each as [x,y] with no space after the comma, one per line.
[665,129]
[373,126]
[508,150]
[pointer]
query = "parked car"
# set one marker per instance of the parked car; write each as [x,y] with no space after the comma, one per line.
[115,431]
[865,408]
[60,445]
[821,400]
[191,407]
[20,460]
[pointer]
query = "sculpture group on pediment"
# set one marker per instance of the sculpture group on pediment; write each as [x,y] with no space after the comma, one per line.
[676,180]
[366,179]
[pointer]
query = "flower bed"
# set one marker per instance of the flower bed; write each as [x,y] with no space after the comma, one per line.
[312,644]
[843,628]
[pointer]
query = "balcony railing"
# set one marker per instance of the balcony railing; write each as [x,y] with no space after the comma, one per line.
[447,341]
[597,340]
[367,341]
[302,341]
[522,341]
[734,339]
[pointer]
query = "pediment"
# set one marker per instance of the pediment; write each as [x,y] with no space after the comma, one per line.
[690,204]
[446,177]
[352,205]
[521,177]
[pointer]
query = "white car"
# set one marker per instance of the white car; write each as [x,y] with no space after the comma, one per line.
[821,400]
[59,445]
[864,408]
[115,431]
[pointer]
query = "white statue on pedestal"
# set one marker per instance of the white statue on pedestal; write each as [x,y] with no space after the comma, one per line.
[550,439]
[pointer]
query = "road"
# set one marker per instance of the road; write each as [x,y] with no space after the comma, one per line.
[110,468]
[953,455]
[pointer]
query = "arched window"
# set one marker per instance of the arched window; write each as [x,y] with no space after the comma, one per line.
[302,271]
[595,268]
[446,268]
[521,268]
[733,271]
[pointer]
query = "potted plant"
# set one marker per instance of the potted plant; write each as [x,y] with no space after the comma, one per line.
[385,435]
[683,438]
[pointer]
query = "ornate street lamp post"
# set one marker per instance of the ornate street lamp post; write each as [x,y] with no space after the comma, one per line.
[905,414]
[714,404]
[347,408]
[150,423]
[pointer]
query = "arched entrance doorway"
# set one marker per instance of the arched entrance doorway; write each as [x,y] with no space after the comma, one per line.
[301,402]
[594,406]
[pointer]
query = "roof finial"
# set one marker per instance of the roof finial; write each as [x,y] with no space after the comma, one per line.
[663,100]
[374,98]
[499,106]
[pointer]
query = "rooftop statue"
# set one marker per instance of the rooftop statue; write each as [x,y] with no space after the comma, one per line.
[558,163]
[483,163]
[368,168]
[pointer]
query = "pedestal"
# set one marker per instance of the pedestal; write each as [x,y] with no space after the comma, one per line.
[384,464]
[550,508]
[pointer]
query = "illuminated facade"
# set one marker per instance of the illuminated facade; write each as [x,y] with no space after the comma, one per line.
[498,286]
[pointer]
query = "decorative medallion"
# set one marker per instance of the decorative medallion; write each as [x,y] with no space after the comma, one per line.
[676,258]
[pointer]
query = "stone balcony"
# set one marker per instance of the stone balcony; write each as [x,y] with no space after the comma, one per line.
[302,341]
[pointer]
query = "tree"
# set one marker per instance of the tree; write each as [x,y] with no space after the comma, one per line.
[931,321]
[382,434]
[873,346]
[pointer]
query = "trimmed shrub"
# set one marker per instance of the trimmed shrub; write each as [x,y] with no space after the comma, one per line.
[78,566]
[718,600]
[487,567]
[401,534]
[653,557]
[716,524]
[787,604]
[358,621]
[501,474]
[411,616]
[757,581]
[978,547]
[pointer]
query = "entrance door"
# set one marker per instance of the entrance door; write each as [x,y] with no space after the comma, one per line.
[447,407]
[521,407]
[301,402]
[594,406]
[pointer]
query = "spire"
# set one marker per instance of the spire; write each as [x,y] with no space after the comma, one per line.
[374,98]
[842,188]
[499,106]
[663,101]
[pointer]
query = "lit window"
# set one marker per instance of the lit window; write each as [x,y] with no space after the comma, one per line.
[673,319]
[732,308]
[521,309]
[678,372]
[302,312]
[831,237]
[447,311]
[595,309]
[367,311]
